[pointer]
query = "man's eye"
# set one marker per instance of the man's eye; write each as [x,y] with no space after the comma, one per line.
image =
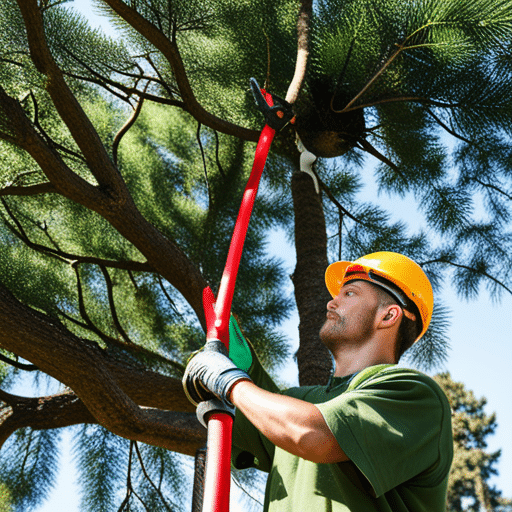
[348,293]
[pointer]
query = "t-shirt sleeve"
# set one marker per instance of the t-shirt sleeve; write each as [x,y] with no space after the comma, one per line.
[250,448]
[395,428]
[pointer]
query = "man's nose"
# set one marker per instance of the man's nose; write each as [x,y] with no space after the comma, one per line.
[331,304]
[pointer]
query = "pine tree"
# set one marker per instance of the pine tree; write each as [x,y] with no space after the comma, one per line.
[122,164]
[469,487]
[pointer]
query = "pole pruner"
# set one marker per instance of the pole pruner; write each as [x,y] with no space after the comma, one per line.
[278,113]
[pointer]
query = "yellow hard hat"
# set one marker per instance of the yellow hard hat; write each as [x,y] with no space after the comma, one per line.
[383,269]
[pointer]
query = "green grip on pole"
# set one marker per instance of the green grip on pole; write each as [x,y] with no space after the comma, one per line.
[239,349]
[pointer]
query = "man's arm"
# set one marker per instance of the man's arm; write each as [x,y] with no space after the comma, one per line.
[291,424]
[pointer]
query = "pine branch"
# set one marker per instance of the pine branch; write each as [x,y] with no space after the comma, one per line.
[126,345]
[104,82]
[70,258]
[157,490]
[130,402]
[466,267]
[69,109]
[29,190]
[493,187]
[16,364]
[448,129]
[23,134]
[124,129]
[113,310]
[169,49]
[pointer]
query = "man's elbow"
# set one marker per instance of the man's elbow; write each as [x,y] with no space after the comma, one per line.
[321,449]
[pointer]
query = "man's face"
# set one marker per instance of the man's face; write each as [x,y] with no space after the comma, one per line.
[350,315]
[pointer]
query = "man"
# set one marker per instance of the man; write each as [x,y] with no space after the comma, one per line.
[377,437]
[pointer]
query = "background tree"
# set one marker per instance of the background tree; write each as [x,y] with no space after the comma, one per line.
[123,161]
[469,486]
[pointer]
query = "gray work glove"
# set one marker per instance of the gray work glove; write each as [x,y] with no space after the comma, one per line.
[211,374]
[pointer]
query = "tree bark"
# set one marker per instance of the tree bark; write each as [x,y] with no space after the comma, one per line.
[311,294]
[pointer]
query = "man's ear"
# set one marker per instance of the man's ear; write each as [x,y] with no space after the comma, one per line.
[390,315]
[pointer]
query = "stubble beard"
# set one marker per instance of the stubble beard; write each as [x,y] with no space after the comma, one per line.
[333,332]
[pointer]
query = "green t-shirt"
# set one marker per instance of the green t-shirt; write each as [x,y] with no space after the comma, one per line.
[394,424]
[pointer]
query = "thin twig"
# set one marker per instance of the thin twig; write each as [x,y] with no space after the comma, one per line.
[67,257]
[494,187]
[245,491]
[82,309]
[167,296]
[366,146]
[131,348]
[158,491]
[161,81]
[447,128]
[217,159]
[16,364]
[126,126]
[113,310]
[459,265]
[128,480]
[343,210]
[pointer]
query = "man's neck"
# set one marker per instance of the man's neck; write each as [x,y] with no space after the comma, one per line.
[350,360]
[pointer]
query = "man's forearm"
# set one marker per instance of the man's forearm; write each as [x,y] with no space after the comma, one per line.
[291,424]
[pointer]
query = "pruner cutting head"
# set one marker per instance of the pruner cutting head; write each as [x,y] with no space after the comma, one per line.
[277,114]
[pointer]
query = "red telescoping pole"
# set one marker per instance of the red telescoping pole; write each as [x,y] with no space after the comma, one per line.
[220,425]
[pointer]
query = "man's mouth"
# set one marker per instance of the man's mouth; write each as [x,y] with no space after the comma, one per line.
[331,315]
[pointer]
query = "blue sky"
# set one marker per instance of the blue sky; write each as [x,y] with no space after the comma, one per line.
[480,356]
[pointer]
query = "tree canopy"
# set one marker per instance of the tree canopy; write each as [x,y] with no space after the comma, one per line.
[469,488]
[122,163]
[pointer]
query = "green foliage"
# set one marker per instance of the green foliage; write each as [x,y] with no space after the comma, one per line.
[102,461]
[115,471]
[5,499]
[28,466]
[409,68]
[469,488]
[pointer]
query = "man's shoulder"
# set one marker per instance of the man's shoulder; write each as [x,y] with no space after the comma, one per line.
[395,376]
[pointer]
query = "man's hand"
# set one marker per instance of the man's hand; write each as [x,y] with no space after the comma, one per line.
[211,374]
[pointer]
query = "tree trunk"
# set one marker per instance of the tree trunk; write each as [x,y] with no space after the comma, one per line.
[311,294]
